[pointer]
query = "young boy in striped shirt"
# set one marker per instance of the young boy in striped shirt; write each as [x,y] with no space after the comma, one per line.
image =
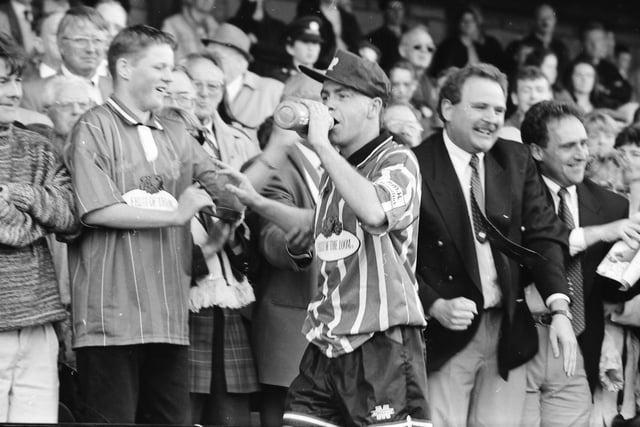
[133,177]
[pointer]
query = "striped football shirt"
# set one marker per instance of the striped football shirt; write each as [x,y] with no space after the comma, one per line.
[367,277]
[130,286]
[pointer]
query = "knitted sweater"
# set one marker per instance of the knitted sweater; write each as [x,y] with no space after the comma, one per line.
[36,199]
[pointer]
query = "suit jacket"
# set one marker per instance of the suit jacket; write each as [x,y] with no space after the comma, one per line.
[283,290]
[597,206]
[516,203]
[32,91]
[256,101]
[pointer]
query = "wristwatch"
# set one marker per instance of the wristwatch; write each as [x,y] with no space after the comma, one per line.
[565,313]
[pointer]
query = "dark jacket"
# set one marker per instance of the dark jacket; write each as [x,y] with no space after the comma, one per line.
[516,203]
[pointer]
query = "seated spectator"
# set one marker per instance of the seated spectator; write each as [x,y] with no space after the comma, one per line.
[529,87]
[417,47]
[628,144]
[250,99]
[194,23]
[403,86]
[387,37]
[47,60]
[182,94]
[65,99]
[303,44]
[221,141]
[623,60]
[265,32]
[581,84]
[369,51]
[613,88]
[82,40]
[114,14]
[339,30]
[401,121]
[604,165]
[466,44]
[541,36]
[403,82]
[36,199]
[547,61]
[601,132]
[16,19]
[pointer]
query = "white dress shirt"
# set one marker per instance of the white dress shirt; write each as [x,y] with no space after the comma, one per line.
[577,243]
[94,81]
[486,265]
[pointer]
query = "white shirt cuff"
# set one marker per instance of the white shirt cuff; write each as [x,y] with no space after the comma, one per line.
[555,297]
[577,243]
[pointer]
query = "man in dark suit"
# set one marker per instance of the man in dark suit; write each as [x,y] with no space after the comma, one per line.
[598,217]
[483,204]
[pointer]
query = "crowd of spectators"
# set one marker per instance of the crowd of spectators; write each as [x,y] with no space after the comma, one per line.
[145,279]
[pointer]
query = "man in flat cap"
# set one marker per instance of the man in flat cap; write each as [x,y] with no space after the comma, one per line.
[365,361]
[303,43]
[249,98]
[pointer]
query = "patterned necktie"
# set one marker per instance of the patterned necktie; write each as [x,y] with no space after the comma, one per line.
[479,226]
[210,143]
[574,269]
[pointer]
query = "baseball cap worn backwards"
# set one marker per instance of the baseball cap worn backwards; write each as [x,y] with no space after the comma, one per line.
[355,73]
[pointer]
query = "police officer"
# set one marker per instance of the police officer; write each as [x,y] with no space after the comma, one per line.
[303,43]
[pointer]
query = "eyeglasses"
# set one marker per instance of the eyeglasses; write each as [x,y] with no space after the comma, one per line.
[428,48]
[182,100]
[69,107]
[83,42]
[210,86]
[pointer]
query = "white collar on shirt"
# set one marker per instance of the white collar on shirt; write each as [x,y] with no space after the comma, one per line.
[95,80]
[554,187]
[459,157]
[45,71]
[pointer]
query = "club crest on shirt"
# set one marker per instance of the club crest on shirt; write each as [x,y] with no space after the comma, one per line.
[335,243]
[151,195]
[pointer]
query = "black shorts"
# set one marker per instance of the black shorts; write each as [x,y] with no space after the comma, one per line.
[382,382]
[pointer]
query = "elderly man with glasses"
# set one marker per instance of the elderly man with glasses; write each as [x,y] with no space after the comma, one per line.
[83,41]
[65,99]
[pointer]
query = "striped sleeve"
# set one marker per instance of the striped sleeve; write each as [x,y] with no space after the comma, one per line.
[89,164]
[396,183]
